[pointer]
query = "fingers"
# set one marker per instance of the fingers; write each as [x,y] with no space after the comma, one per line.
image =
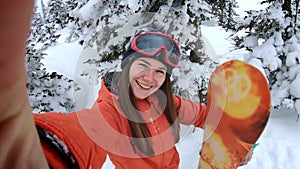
[20,146]
[15,19]
[247,158]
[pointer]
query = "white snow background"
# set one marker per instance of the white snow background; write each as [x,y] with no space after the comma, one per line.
[278,146]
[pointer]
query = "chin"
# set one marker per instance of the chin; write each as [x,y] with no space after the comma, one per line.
[142,95]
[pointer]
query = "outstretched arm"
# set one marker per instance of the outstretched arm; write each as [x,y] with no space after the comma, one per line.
[20,145]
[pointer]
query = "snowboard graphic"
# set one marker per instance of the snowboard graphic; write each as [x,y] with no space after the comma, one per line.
[238,105]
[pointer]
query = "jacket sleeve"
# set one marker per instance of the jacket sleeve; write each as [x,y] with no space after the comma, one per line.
[66,130]
[189,112]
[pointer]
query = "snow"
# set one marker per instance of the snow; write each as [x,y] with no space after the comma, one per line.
[67,57]
[279,144]
[246,5]
[270,59]
[63,57]
[85,13]
[214,46]
[278,148]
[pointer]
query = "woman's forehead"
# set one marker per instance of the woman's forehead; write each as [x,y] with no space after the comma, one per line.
[151,62]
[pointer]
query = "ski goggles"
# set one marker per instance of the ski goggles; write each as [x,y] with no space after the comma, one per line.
[151,43]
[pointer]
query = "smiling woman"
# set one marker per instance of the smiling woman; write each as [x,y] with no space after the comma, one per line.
[140,112]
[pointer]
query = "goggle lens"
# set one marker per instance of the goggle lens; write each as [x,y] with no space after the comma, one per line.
[151,43]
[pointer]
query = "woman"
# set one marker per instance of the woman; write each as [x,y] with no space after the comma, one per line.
[139,104]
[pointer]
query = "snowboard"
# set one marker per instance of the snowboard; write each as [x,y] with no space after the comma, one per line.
[238,105]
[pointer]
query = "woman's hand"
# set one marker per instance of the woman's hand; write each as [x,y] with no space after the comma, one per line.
[247,158]
[20,145]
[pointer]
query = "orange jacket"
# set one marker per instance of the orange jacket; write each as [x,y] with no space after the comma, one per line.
[117,131]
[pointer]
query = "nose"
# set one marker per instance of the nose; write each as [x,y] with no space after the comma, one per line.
[149,74]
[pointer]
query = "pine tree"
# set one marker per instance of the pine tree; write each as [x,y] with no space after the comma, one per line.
[47,91]
[275,30]
[224,11]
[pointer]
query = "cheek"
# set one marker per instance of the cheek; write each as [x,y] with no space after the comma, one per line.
[160,82]
[132,73]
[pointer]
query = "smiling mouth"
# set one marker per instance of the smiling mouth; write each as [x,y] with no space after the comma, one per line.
[143,85]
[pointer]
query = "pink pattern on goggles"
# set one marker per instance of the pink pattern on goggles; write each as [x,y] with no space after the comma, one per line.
[150,43]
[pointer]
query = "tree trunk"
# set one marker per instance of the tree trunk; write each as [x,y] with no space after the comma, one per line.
[297,8]
[286,6]
[177,3]
[155,5]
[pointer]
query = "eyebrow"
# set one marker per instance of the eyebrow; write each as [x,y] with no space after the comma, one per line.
[146,62]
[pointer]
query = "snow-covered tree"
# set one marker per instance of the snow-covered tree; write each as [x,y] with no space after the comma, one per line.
[47,91]
[273,40]
[224,11]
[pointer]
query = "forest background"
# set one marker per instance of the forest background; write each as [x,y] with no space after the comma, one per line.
[269,38]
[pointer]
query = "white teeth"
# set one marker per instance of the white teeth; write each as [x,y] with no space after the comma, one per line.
[144,86]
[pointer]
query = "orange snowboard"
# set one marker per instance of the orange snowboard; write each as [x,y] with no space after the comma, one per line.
[238,102]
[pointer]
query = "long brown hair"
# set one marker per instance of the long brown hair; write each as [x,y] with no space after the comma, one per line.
[135,121]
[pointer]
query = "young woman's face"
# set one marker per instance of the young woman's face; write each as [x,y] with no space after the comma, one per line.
[146,76]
